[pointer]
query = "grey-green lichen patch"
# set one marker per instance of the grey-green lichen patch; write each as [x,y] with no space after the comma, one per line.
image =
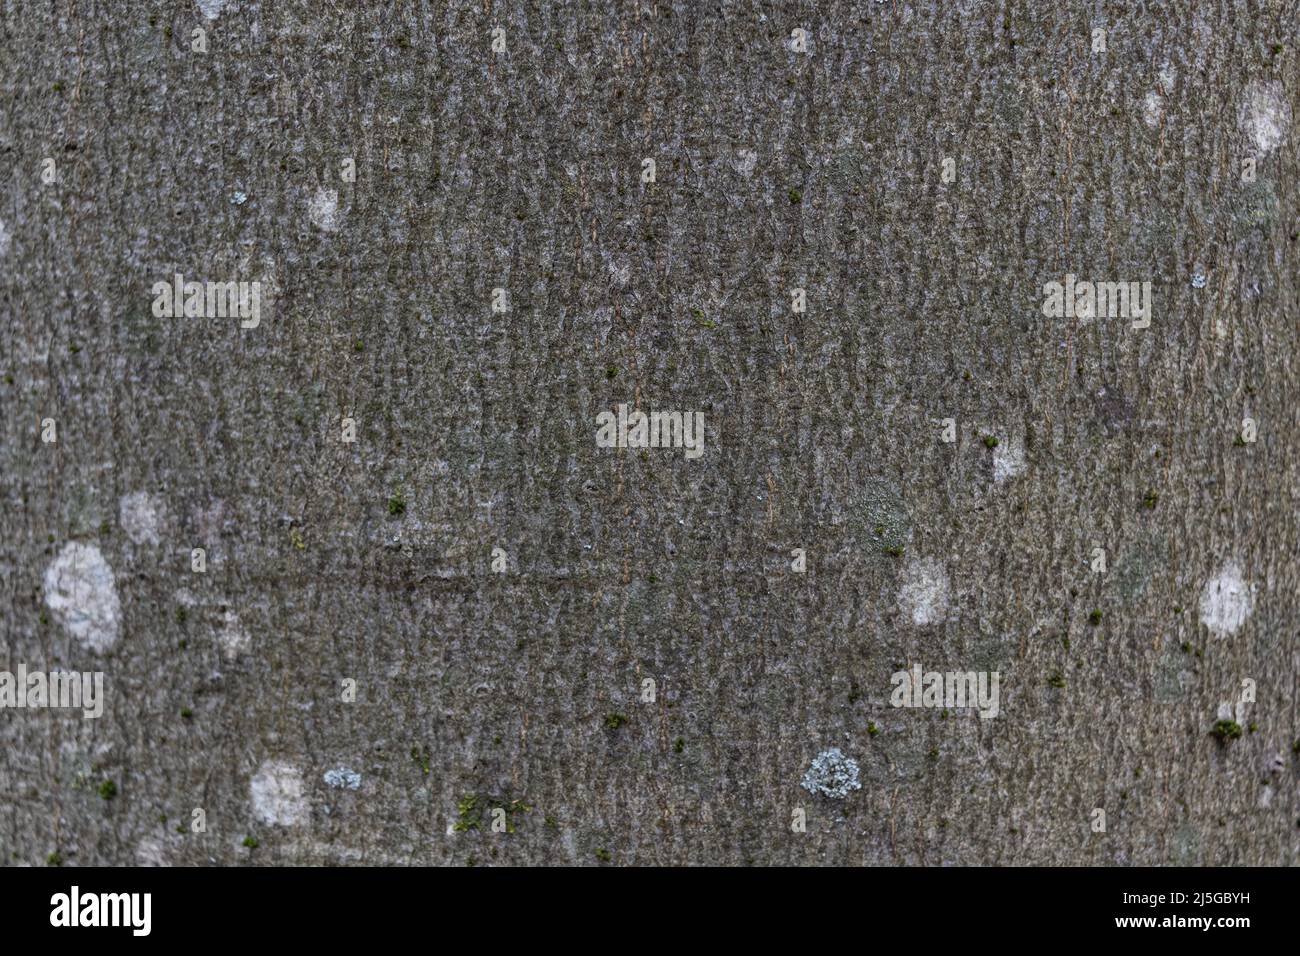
[1174,674]
[883,522]
[86,514]
[1186,849]
[1252,206]
[990,652]
[1137,566]
[832,774]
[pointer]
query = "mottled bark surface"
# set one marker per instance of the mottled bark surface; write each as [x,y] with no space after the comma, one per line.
[775,169]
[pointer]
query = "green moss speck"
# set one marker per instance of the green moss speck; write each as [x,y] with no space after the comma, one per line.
[679,745]
[469,814]
[1094,618]
[1226,729]
[990,441]
[186,713]
[396,504]
[108,790]
[54,859]
[872,729]
[420,756]
[602,854]
[795,196]
[251,842]
[614,721]
[1057,679]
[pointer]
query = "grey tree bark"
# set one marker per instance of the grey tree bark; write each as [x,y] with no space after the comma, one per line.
[779,164]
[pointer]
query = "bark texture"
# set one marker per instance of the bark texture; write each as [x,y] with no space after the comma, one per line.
[776,168]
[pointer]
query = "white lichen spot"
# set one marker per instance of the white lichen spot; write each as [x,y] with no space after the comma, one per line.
[1227,601]
[1153,108]
[832,774]
[746,161]
[211,8]
[277,794]
[924,591]
[4,239]
[1199,279]
[141,516]
[232,637]
[793,45]
[343,778]
[239,198]
[323,210]
[81,592]
[1264,115]
[1008,459]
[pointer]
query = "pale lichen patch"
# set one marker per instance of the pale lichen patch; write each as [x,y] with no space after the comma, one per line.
[1008,459]
[832,774]
[1226,601]
[276,792]
[82,593]
[232,637]
[323,210]
[923,595]
[1264,115]
[141,515]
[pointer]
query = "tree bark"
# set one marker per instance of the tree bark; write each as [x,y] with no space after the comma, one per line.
[778,165]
